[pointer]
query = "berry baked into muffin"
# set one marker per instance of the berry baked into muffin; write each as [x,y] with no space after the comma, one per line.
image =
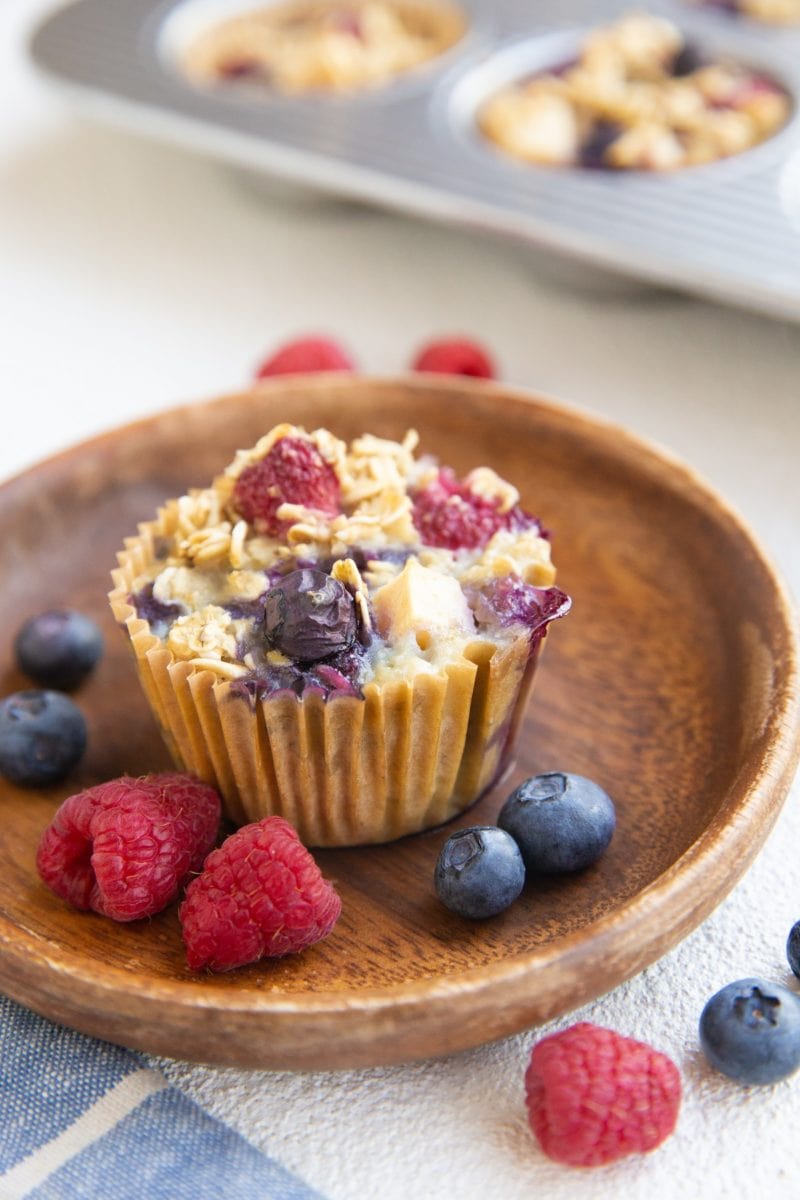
[343,635]
[637,97]
[323,45]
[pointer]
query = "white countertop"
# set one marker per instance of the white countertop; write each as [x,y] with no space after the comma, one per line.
[136,276]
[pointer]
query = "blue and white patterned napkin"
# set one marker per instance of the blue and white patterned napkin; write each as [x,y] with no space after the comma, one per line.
[84,1120]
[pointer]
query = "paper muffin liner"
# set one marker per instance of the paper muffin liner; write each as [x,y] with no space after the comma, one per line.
[410,755]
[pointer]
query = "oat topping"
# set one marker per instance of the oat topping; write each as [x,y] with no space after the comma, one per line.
[346,571]
[206,546]
[207,633]
[375,465]
[381,520]
[524,555]
[379,571]
[217,574]
[485,482]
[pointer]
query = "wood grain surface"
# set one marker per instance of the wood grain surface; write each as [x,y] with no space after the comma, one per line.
[673,683]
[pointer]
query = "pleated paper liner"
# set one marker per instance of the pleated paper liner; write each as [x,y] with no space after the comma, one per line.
[344,771]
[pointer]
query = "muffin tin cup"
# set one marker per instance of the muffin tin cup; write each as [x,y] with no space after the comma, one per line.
[728,229]
[461,102]
[409,755]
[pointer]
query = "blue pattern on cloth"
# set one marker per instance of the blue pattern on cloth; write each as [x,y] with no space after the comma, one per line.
[144,1141]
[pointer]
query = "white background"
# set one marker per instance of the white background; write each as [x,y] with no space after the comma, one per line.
[135,276]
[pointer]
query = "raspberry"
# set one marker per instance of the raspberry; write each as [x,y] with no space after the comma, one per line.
[125,847]
[259,895]
[293,472]
[446,513]
[594,1096]
[305,355]
[455,356]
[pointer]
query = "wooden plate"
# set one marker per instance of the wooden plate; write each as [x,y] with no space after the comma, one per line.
[673,683]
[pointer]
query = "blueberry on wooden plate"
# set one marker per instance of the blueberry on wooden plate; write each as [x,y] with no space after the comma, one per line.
[42,737]
[480,872]
[58,649]
[561,822]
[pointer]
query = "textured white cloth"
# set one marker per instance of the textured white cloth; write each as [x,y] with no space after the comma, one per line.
[136,276]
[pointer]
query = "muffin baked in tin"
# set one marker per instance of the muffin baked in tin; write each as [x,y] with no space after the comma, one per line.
[639,96]
[770,12]
[322,45]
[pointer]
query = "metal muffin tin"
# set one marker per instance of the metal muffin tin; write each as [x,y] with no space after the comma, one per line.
[729,230]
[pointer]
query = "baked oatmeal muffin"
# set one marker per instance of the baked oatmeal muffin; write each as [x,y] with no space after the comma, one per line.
[323,45]
[344,635]
[771,12]
[638,97]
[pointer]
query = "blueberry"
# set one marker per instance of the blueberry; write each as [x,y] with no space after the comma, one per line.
[686,61]
[158,614]
[793,948]
[42,737]
[58,649]
[309,615]
[480,872]
[561,822]
[750,1030]
[593,150]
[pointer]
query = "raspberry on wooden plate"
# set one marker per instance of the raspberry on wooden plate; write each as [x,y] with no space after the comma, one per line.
[260,895]
[124,848]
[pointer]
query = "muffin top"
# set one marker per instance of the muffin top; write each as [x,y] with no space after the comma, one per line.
[311,563]
[637,97]
[323,45]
